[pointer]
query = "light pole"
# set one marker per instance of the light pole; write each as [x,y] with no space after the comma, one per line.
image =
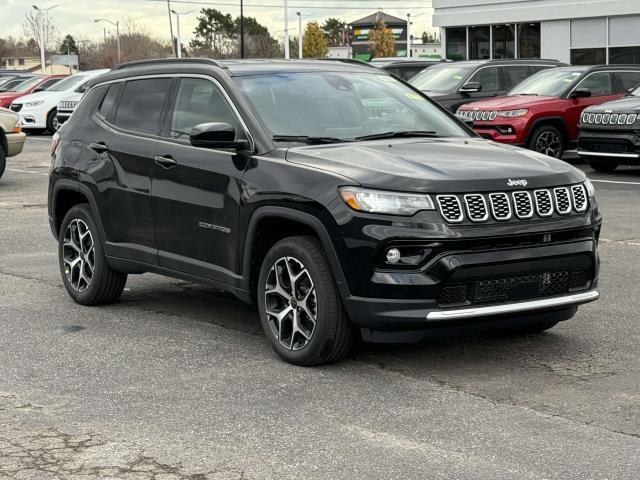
[408,34]
[178,41]
[286,30]
[173,44]
[299,35]
[241,29]
[117,25]
[41,13]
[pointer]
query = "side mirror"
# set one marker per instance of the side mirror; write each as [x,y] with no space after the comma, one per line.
[580,93]
[464,119]
[216,135]
[470,87]
[36,90]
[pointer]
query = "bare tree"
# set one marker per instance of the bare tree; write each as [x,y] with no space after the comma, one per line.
[39,26]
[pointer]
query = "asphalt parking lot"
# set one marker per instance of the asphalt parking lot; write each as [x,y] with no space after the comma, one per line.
[177,382]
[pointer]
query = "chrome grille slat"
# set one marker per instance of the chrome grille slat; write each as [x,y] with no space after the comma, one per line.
[544,202]
[562,200]
[523,205]
[500,206]
[579,198]
[476,207]
[450,208]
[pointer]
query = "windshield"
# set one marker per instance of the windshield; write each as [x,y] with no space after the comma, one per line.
[68,83]
[342,106]
[440,79]
[10,85]
[551,82]
[26,85]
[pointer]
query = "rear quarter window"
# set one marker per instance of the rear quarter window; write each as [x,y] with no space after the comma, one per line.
[141,105]
[109,102]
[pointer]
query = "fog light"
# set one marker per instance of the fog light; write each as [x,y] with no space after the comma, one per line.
[393,255]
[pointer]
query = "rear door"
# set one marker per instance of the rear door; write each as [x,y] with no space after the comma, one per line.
[196,191]
[131,147]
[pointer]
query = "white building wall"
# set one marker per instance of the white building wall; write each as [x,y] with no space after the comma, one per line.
[555,40]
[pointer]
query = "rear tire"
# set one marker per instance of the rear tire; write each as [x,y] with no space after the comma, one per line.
[548,140]
[86,275]
[300,309]
[603,166]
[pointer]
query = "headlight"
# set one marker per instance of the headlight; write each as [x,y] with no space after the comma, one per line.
[591,192]
[33,104]
[513,113]
[392,203]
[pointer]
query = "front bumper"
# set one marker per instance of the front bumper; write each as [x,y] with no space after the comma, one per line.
[32,120]
[610,144]
[15,143]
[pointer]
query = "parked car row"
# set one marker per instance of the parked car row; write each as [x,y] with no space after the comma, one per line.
[11,137]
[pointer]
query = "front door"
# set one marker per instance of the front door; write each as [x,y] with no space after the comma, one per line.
[196,191]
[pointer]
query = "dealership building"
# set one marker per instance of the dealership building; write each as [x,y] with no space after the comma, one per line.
[581,32]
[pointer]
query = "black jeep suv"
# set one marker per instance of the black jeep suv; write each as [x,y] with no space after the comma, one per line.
[609,133]
[334,196]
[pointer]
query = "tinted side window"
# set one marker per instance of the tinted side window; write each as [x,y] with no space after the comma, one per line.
[48,83]
[488,78]
[109,102]
[198,101]
[141,105]
[599,83]
[627,79]
[514,74]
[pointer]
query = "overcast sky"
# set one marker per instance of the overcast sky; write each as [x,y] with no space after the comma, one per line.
[76,16]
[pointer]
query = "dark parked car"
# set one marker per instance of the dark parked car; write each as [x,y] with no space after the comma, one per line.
[285,184]
[610,133]
[457,83]
[404,68]
[542,113]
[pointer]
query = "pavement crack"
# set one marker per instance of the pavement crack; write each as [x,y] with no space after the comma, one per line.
[28,277]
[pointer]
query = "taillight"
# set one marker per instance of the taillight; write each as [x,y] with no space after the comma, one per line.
[55,141]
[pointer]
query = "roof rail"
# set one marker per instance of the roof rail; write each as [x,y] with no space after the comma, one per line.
[164,61]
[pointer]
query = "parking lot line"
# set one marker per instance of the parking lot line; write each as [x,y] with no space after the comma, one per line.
[26,171]
[615,181]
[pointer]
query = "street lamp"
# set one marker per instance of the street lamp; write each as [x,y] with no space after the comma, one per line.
[179,42]
[117,25]
[299,35]
[41,12]
[286,30]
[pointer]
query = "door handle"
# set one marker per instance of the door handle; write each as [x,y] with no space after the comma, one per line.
[165,162]
[99,147]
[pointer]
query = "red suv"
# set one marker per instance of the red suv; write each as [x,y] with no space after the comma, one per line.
[29,86]
[542,112]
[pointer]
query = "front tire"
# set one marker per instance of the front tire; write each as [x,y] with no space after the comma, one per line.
[3,161]
[300,309]
[548,140]
[86,275]
[603,166]
[52,121]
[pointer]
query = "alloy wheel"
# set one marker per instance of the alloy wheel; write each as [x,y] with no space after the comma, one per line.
[79,255]
[549,143]
[291,303]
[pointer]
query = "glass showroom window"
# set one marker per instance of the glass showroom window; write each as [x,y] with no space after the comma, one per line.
[479,44]
[504,41]
[529,40]
[624,55]
[588,56]
[456,43]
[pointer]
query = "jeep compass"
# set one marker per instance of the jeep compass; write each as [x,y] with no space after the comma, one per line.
[334,196]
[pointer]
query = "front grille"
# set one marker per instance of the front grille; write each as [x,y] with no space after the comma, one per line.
[453,295]
[579,198]
[563,202]
[479,114]
[523,204]
[517,205]
[67,104]
[16,107]
[450,208]
[578,280]
[476,208]
[606,146]
[609,119]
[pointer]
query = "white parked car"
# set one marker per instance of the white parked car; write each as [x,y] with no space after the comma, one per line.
[67,105]
[39,110]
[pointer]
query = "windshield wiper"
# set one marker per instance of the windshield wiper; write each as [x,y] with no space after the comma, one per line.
[399,134]
[310,140]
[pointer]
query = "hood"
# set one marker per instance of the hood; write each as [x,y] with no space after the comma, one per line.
[44,95]
[624,105]
[510,102]
[437,165]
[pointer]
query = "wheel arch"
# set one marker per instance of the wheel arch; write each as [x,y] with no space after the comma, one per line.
[65,195]
[554,121]
[282,222]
